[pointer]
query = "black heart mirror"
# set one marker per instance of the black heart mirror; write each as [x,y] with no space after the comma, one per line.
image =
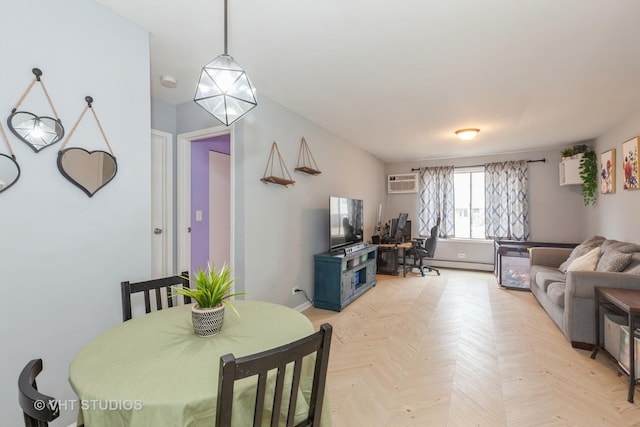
[9,171]
[88,170]
[36,131]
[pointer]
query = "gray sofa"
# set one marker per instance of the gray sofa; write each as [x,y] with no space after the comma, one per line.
[568,296]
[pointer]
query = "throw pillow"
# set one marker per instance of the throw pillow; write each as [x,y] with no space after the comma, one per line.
[586,262]
[581,249]
[613,261]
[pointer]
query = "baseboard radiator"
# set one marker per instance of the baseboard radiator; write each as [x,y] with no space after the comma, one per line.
[461,265]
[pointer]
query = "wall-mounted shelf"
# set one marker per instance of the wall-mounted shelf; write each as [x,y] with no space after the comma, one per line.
[269,177]
[570,172]
[306,162]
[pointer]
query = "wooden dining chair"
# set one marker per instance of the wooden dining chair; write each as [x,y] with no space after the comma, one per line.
[232,369]
[38,408]
[156,285]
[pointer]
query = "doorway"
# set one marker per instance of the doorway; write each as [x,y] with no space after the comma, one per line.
[198,243]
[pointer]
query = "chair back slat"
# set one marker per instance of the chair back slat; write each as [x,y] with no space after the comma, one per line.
[162,293]
[158,299]
[277,395]
[293,397]
[232,369]
[147,302]
[260,394]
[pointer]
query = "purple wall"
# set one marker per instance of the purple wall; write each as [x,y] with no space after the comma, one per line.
[200,196]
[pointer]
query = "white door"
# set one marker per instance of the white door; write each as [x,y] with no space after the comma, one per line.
[161,204]
[219,209]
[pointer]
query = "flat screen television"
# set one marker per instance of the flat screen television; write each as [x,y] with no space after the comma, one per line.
[346,221]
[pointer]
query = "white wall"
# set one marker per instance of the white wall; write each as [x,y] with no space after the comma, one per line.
[557,214]
[277,230]
[64,254]
[615,216]
[285,227]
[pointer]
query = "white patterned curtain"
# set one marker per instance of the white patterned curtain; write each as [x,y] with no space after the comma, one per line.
[436,200]
[506,201]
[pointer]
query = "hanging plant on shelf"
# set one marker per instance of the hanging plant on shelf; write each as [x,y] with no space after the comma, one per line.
[589,175]
[573,152]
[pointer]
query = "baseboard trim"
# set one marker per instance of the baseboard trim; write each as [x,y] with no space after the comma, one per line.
[302,307]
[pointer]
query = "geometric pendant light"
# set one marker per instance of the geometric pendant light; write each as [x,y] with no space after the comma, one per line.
[224,89]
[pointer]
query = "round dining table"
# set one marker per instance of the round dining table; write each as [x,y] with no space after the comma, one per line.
[153,370]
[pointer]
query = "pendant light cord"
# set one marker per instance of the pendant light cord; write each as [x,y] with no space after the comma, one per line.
[225,27]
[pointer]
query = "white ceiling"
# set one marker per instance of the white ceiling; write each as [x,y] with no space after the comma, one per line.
[397,78]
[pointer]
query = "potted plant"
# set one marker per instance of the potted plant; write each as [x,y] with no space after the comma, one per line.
[589,174]
[575,152]
[211,294]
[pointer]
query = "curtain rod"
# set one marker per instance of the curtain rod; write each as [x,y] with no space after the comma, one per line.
[543,160]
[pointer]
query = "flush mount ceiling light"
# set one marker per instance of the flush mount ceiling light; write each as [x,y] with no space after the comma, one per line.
[467,134]
[224,89]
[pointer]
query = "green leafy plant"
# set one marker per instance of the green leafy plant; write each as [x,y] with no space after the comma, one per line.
[576,149]
[212,287]
[589,174]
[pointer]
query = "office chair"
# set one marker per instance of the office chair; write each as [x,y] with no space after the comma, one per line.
[128,288]
[420,252]
[259,364]
[38,408]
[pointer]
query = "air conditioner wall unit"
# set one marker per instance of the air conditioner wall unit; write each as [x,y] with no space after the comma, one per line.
[402,183]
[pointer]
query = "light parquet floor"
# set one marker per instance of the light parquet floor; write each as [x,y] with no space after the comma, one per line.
[457,350]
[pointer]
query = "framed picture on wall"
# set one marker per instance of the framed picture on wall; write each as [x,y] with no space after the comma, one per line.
[608,172]
[630,164]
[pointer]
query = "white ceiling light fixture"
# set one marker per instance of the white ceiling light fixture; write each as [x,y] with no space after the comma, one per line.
[467,134]
[224,89]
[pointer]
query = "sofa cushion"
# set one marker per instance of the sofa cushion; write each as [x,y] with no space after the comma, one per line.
[613,261]
[545,277]
[555,292]
[581,249]
[624,247]
[634,265]
[586,262]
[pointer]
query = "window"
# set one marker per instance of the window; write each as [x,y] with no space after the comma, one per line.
[468,184]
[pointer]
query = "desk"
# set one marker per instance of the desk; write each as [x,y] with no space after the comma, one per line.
[394,250]
[158,361]
[628,302]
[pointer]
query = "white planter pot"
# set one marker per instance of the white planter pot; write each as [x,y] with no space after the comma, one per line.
[207,321]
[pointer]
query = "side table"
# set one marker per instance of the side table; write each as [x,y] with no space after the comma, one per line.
[626,301]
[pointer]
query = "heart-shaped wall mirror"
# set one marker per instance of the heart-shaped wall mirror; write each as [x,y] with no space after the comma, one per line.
[37,132]
[88,170]
[9,171]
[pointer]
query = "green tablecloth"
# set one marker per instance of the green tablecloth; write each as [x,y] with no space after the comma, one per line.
[154,371]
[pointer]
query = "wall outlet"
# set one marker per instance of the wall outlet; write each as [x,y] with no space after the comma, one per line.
[462,255]
[294,290]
